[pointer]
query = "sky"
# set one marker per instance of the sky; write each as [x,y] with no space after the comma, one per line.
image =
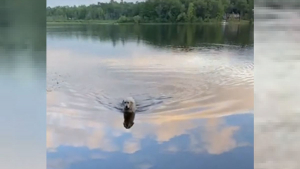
[53,3]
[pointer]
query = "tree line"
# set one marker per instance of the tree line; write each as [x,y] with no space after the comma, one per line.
[156,11]
[166,36]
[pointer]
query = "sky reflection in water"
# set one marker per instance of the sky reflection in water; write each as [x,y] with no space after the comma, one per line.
[195,95]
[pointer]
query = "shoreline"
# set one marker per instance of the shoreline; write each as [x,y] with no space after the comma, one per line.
[242,22]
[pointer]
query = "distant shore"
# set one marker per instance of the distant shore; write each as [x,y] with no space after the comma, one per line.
[115,22]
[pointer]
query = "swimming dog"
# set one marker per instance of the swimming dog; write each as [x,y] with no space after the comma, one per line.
[129,112]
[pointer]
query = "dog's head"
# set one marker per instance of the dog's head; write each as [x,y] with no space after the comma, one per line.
[128,105]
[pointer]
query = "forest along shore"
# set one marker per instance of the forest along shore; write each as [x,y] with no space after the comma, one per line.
[155,11]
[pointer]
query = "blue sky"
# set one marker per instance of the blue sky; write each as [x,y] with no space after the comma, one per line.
[78,2]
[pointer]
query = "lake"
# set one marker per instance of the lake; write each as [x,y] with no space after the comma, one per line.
[193,85]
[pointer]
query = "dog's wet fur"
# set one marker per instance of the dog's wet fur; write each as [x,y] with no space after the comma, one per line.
[129,108]
[129,105]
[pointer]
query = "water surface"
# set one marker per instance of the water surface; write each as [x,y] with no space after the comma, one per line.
[193,86]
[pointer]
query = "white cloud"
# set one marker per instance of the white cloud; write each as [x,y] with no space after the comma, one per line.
[131,146]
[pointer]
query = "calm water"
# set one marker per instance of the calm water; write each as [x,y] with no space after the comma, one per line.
[193,86]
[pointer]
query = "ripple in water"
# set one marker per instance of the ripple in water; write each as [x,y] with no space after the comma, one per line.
[194,84]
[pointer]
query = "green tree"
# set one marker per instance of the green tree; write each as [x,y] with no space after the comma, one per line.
[154,11]
[123,19]
[181,17]
[201,8]
[217,9]
[242,7]
[137,19]
[191,12]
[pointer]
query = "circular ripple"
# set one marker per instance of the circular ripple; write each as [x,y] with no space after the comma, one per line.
[188,84]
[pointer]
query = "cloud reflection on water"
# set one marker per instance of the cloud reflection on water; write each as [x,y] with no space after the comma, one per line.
[201,90]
